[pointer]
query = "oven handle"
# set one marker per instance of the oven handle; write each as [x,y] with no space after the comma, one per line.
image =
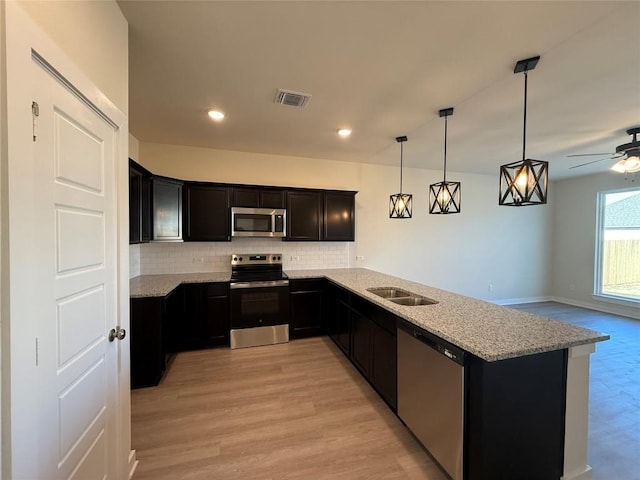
[273,283]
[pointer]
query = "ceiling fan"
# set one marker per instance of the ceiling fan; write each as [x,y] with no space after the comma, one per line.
[628,153]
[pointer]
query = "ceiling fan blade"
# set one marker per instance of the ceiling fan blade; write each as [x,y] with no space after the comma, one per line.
[589,163]
[590,154]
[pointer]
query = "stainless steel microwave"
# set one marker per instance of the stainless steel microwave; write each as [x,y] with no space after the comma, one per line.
[258,222]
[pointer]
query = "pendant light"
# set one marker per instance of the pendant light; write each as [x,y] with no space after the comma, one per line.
[525,182]
[400,204]
[444,197]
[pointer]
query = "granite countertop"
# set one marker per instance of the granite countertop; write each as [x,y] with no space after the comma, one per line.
[489,331]
[162,284]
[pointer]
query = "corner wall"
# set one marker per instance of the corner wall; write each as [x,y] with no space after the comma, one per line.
[500,254]
[574,230]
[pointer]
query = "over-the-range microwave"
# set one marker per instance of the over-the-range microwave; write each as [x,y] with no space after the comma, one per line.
[258,222]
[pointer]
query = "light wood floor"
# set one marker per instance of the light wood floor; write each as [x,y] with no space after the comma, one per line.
[301,411]
[290,411]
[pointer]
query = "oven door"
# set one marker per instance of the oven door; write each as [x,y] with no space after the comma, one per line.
[259,304]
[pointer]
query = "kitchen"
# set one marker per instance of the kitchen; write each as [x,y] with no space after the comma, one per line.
[482,227]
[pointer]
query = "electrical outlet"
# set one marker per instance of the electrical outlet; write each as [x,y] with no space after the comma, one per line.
[294,258]
[198,259]
[491,287]
[359,257]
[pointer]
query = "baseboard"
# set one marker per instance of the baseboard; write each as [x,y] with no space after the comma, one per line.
[133,463]
[600,307]
[515,301]
[584,474]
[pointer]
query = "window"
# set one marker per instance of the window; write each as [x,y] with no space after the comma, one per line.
[618,245]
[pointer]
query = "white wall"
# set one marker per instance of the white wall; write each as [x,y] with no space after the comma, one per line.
[95,35]
[574,230]
[484,245]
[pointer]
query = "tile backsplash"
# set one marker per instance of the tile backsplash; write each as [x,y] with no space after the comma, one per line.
[191,257]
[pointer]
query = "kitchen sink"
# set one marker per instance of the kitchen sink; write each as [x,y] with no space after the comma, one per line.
[389,292]
[413,301]
[401,297]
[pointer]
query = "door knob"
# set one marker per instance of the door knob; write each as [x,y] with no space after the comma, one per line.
[118,333]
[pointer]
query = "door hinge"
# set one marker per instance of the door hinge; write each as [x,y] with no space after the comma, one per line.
[37,352]
[35,113]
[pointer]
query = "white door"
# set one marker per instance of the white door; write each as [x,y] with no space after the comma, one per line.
[74,180]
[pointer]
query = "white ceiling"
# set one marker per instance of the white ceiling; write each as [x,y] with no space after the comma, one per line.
[384,69]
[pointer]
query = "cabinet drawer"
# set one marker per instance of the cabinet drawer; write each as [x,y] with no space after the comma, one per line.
[306,284]
[378,314]
[217,289]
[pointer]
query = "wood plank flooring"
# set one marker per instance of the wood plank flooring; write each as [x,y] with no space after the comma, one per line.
[301,411]
[292,411]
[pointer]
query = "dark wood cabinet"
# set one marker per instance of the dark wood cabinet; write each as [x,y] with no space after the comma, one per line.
[306,307]
[206,213]
[258,197]
[338,317]
[205,321]
[147,353]
[304,215]
[139,203]
[384,375]
[216,319]
[167,209]
[339,216]
[361,334]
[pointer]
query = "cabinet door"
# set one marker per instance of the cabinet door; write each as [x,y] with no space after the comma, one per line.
[246,197]
[339,216]
[272,198]
[167,210]
[216,324]
[190,330]
[207,213]
[384,364]
[258,197]
[304,215]
[135,206]
[145,208]
[361,333]
[306,308]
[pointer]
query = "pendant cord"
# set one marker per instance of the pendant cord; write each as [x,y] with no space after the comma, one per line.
[401,151]
[524,129]
[445,149]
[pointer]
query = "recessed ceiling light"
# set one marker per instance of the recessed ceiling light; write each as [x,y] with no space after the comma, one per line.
[344,132]
[216,115]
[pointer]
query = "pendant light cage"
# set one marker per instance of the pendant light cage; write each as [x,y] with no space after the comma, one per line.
[524,182]
[401,204]
[444,196]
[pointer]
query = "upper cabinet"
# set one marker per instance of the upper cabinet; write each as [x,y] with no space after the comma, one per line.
[139,203]
[339,216]
[206,213]
[304,215]
[258,197]
[167,209]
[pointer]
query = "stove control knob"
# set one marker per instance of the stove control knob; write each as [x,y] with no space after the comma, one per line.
[278,257]
[235,259]
[240,258]
[273,258]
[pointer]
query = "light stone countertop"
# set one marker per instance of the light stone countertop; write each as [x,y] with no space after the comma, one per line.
[489,331]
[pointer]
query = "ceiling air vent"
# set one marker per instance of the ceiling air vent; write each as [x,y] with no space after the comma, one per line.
[293,99]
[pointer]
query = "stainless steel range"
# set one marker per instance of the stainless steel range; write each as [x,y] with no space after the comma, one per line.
[259,300]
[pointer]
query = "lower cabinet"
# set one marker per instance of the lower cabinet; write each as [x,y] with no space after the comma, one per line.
[205,322]
[306,307]
[150,322]
[366,333]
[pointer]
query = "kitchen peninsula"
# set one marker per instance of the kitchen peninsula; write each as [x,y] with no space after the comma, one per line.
[518,365]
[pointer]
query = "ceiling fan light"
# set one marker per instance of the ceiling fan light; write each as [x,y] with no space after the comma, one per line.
[632,164]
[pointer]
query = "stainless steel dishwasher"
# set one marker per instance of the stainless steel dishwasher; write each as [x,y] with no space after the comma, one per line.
[431,395]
